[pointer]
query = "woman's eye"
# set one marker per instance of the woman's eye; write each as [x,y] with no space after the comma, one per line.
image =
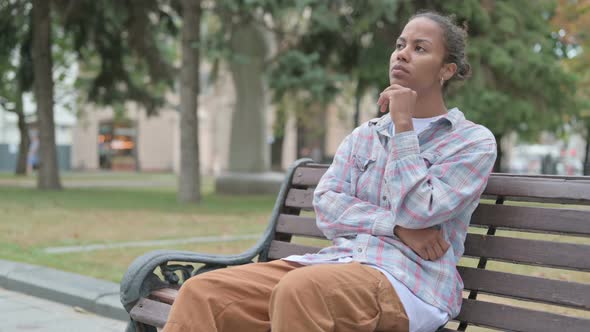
[399,46]
[420,49]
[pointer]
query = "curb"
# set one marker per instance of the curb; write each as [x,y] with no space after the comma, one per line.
[91,294]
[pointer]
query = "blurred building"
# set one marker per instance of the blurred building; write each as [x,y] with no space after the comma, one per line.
[549,155]
[10,136]
[139,142]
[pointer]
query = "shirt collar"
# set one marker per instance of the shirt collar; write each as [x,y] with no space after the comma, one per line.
[453,117]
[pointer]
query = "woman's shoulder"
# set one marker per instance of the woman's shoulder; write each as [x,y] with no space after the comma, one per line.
[478,131]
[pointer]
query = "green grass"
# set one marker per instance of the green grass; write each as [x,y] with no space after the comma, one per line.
[32,220]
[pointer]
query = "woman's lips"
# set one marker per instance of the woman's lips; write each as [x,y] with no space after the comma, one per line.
[399,71]
[400,68]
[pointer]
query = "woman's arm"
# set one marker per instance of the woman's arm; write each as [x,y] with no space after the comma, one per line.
[420,196]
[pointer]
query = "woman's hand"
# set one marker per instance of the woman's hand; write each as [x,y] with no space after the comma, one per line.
[428,243]
[401,102]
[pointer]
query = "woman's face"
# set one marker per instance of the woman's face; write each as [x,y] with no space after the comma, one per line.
[417,61]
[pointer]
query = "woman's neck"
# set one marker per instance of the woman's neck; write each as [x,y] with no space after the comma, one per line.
[429,105]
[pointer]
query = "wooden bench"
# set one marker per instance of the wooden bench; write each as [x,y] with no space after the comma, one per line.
[526,265]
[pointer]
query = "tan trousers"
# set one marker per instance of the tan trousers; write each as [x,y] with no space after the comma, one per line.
[288,297]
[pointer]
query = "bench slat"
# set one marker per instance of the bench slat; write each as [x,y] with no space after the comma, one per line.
[166,295]
[308,175]
[562,221]
[559,221]
[510,318]
[297,225]
[300,198]
[533,189]
[534,252]
[565,190]
[280,249]
[303,198]
[565,293]
[150,312]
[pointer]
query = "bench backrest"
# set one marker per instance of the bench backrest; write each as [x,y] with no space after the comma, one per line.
[526,265]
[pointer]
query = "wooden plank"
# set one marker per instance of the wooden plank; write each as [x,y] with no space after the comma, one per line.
[279,249]
[543,176]
[534,252]
[150,312]
[308,176]
[562,221]
[565,293]
[297,225]
[166,295]
[508,318]
[300,198]
[555,189]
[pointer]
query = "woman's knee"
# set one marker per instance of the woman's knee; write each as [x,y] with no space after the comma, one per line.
[298,283]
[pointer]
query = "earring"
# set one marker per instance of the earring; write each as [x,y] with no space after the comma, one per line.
[442,81]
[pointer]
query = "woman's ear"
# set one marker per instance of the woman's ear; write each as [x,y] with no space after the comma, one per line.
[448,70]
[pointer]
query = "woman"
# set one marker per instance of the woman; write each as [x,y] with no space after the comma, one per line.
[396,203]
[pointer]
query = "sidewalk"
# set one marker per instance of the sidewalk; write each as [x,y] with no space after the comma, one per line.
[20,312]
[58,301]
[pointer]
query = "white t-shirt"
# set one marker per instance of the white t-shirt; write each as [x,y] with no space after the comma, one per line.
[419,124]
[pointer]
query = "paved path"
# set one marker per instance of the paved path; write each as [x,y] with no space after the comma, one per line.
[134,244]
[20,312]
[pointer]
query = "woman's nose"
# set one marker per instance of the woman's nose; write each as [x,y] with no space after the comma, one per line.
[402,55]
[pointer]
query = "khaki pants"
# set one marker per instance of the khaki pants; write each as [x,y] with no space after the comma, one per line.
[288,297]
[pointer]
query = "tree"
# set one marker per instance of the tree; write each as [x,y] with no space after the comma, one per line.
[518,84]
[189,180]
[239,37]
[571,23]
[128,47]
[340,43]
[125,49]
[15,66]
[48,177]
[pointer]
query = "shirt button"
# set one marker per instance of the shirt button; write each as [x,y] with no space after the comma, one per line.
[359,249]
[384,197]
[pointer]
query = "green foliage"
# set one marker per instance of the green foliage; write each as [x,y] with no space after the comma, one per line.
[125,48]
[517,84]
[15,55]
[348,40]
[299,69]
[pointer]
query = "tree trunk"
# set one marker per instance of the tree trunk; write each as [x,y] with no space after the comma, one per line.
[189,181]
[276,150]
[587,156]
[25,140]
[357,103]
[249,150]
[498,163]
[311,133]
[48,177]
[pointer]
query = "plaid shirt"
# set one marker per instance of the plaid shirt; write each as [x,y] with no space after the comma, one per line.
[377,181]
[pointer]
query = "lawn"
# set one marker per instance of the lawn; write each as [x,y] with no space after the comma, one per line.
[33,220]
[92,212]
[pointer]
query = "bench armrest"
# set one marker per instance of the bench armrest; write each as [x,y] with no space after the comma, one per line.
[135,282]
